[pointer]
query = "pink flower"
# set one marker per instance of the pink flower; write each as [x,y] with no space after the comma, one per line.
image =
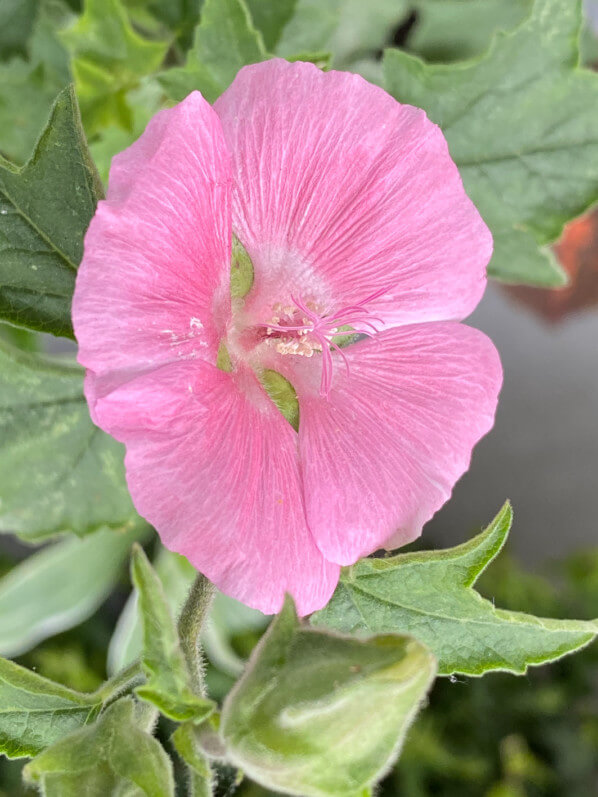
[354,215]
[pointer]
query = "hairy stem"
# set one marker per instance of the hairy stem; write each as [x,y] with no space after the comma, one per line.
[191,622]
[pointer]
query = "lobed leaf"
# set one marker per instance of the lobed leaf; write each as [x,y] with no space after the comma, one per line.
[75,473]
[45,208]
[430,595]
[522,125]
[300,718]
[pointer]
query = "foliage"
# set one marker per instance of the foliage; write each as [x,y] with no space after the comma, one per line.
[520,118]
[75,476]
[526,147]
[431,595]
[45,208]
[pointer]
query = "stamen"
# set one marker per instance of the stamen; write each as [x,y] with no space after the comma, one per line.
[300,329]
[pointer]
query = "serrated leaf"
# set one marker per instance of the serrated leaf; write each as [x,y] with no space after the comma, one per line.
[317,714]
[75,477]
[45,208]
[112,756]
[225,40]
[522,125]
[109,58]
[200,776]
[430,595]
[35,712]
[169,684]
[60,586]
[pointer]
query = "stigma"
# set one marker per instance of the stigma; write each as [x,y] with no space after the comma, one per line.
[303,329]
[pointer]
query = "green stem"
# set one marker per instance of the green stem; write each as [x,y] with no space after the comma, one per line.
[191,622]
[124,681]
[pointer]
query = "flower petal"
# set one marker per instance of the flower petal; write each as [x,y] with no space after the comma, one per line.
[383,454]
[213,466]
[158,248]
[341,190]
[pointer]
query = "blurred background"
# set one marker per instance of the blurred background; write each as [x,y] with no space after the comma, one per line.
[499,736]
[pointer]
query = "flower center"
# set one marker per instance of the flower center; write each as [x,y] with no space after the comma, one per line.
[302,329]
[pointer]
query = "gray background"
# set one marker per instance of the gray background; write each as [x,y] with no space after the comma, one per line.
[543,450]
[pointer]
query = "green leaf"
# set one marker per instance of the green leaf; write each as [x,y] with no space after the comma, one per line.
[109,58]
[112,756]
[45,46]
[26,96]
[16,23]
[176,575]
[453,30]
[62,585]
[317,714]
[364,28]
[45,208]
[35,712]
[180,16]
[311,27]
[28,88]
[143,102]
[430,595]
[270,17]
[58,472]
[349,29]
[227,618]
[225,40]
[201,777]
[522,125]
[169,685]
